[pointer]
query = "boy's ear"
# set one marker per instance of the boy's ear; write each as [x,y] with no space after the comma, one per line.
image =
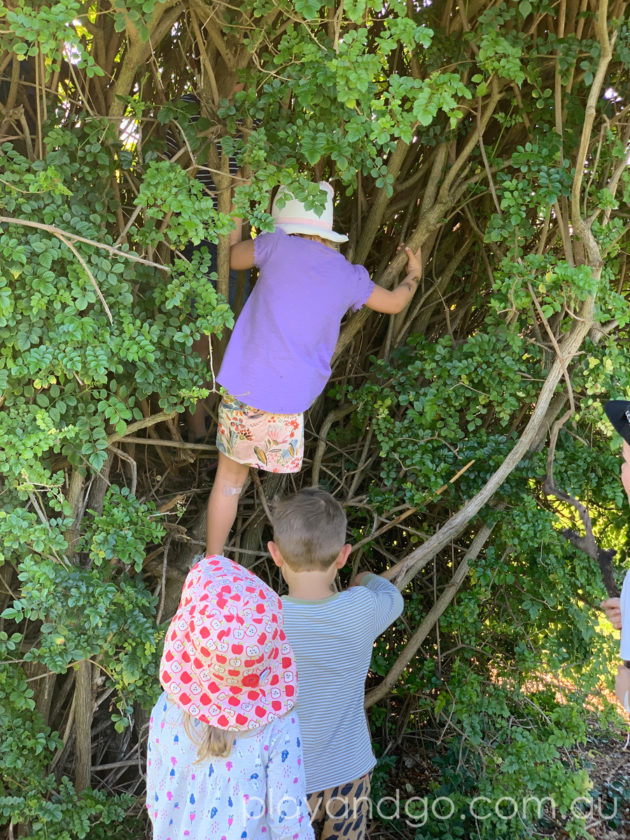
[342,557]
[277,558]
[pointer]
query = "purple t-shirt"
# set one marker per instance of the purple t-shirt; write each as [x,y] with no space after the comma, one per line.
[278,357]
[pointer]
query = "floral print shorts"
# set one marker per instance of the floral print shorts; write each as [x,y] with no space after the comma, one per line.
[272,442]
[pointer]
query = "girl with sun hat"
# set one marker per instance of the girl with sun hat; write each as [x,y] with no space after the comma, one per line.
[224,754]
[277,361]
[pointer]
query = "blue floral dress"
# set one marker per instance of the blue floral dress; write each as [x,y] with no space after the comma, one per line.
[256,793]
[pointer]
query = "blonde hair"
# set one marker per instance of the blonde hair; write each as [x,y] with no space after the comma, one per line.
[315,238]
[210,740]
[309,529]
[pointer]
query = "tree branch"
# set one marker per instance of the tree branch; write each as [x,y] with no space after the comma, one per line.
[414,562]
[430,620]
[142,424]
[606,45]
[65,235]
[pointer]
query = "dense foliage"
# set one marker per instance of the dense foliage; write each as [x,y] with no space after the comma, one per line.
[463,436]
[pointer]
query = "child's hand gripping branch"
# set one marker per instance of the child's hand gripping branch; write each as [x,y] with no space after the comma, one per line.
[612,608]
[393,301]
[279,355]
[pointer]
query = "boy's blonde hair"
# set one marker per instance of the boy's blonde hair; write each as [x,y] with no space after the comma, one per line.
[210,740]
[309,529]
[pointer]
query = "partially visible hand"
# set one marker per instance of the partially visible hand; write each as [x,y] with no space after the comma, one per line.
[625,477]
[414,262]
[356,580]
[612,608]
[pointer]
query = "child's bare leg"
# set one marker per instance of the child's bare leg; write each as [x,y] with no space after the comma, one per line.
[223,502]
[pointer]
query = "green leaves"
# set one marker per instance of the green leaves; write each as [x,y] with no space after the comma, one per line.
[132,14]
[310,8]
[525,8]
[347,104]
[557,286]
[432,401]
[441,91]
[70,379]
[536,179]
[60,373]
[34,30]
[121,533]
[167,189]
[501,49]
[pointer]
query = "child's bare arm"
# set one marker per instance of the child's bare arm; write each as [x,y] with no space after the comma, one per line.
[356,580]
[236,234]
[242,255]
[392,301]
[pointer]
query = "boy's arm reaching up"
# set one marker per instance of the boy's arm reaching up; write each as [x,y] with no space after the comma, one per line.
[356,580]
[388,600]
[392,301]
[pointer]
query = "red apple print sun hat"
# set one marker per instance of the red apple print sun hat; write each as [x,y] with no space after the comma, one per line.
[226,660]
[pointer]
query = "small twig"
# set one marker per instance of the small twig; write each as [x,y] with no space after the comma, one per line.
[38,510]
[142,424]
[205,60]
[484,157]
[115,765]
[332,417]
[261,494]
[91,277]
[364,462]
[134,467]
[555,344]
[127,228]
[553,440]
[167,545]
[66,735]
[563,227]
[384,528]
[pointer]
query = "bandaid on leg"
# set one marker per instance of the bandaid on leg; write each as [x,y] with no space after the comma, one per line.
[231,490]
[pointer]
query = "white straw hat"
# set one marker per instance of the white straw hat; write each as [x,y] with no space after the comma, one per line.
[293,217]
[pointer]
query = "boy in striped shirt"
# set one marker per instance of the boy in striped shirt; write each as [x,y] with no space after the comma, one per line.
[332,635]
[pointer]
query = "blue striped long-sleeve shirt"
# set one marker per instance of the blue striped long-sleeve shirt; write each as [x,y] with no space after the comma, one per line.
[332,641]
